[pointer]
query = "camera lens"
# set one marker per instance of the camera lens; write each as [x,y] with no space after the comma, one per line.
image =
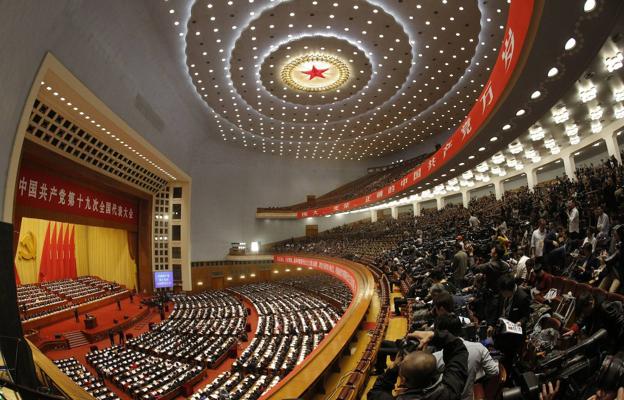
[611,375]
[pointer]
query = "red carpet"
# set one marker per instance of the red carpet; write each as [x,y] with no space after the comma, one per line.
[108,313]
[105,316]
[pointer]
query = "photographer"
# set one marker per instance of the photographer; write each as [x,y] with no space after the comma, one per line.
[442,304]
[419,373]
[480,362]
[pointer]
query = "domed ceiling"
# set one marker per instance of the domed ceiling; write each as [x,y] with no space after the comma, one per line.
[339,79]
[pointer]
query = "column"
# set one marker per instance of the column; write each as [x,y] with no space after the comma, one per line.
[373,214]
[570,166]
[498,189]
[416,206]
[394,211]
[531,174]
[612,146]
[440,202]
[465,198]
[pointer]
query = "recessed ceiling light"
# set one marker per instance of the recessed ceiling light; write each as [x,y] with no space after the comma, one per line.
[569,45]
[506,127]
[536,94]
[493,139]
[520,112]
[552,72]
[589,5]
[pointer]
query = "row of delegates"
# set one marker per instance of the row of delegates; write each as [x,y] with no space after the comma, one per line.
[79,374]
[142,376]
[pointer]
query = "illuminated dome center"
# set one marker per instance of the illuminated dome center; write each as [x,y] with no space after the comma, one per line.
[315,73]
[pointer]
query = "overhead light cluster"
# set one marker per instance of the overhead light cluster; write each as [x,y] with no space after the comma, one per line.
[400,83]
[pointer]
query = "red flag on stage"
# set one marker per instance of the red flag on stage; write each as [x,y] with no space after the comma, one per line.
[46,258]
[66,255]
[54,251]
[71,249]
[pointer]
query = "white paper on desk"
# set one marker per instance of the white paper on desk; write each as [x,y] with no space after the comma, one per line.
[551,294]
[511,327]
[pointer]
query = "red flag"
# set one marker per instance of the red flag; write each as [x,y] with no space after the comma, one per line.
[66,268]
[72,254]
[44,266]
[54,255]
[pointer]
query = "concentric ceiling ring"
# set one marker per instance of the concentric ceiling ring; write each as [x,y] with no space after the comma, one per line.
[421,71]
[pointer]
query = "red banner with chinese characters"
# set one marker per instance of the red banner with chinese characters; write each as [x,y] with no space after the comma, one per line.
[337,270]
[518,21]
[40,190]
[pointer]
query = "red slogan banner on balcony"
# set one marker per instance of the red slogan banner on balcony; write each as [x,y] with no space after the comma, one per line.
[518,21]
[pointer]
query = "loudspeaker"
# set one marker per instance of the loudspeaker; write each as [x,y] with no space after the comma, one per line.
[13,346]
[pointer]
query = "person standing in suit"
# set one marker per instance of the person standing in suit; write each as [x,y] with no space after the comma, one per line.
[76,314]
[118,304]
[111,336]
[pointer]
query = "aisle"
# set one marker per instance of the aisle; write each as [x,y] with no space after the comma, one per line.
[397,329]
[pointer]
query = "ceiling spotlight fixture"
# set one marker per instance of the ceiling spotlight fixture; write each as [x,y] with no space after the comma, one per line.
[560,114]
[493,139]
[536,94]
[468,175]
[570,44]
[515,147]
[536,133]
[615,62]
[618,111]
[550,143]
[520,112]
[618,94]
[596,127]
[498,158]
[589,93]
[574,140]
[512,162]
[589,5]
[506,127]
[571,129]
[595,113]
[482,167]
[552,72]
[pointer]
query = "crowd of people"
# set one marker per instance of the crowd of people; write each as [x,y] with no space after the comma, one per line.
[533,279]
[41,299]
[95,386]
[204,329]
[292,321]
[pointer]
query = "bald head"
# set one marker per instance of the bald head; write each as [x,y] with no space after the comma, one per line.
[418,369]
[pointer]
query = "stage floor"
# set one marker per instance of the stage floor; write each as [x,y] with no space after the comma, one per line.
[105,316]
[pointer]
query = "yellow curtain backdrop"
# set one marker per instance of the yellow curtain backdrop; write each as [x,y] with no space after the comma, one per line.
[101,252]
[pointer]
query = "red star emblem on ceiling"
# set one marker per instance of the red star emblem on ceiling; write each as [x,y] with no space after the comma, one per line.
[315,72]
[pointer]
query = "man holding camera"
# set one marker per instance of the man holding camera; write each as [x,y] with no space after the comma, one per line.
[419,373]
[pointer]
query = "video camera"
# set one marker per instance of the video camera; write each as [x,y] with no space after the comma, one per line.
[573,368]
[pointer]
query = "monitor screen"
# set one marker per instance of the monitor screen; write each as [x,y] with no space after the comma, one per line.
[163,279]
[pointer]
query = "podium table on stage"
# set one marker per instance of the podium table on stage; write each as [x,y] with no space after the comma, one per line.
[90,322]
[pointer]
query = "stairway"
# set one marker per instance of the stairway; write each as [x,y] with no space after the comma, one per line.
[76,339]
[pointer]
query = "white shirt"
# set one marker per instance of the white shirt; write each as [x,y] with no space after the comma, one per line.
[480,364]
[591,241]
[473,221]
[521,269]
[603,224]
[573,220]
[537,242]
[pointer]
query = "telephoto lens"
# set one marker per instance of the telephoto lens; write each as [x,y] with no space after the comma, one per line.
[611,376]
